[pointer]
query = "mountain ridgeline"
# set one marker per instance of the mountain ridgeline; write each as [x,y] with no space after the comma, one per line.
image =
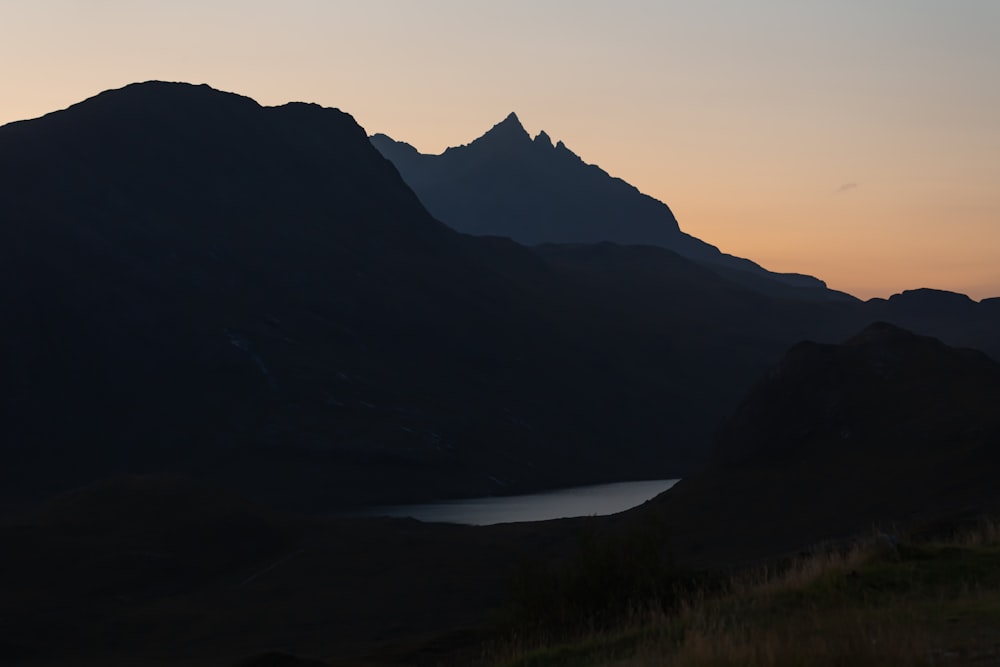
[507,184]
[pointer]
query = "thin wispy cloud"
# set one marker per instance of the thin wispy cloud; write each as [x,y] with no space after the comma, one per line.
[846,187]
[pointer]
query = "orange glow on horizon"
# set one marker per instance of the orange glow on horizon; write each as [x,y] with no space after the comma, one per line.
[750,121]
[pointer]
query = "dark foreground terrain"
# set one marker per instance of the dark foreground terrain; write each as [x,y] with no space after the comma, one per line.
[158,571]
[889,429]
[930,598]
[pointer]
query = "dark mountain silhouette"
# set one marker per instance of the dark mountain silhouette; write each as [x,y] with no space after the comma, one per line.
[507,184]
[191,276]
[911,391]
[194,283]
[953,317]
[887,427]
[936,303]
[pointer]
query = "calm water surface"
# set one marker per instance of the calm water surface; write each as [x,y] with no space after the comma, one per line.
[597,500]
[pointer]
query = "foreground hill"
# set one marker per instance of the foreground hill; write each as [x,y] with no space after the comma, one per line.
[507,184]
[889,426]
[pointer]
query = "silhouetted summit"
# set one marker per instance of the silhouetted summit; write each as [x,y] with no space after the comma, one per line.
[942,303]
[947,315]
[161,148]
[507,134]
[506,184]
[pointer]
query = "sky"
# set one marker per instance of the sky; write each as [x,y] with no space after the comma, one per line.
[857,141]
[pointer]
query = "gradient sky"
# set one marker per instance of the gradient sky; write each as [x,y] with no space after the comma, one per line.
[858,141]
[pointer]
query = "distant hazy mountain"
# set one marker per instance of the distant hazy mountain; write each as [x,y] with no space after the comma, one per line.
[952,317]
[889,426]
[507,184]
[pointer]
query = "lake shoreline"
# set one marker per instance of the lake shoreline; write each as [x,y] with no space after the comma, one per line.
[565,503]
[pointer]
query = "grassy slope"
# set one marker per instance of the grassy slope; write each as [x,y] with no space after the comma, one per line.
[918,602]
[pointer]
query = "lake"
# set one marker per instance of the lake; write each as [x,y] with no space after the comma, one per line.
[595,500]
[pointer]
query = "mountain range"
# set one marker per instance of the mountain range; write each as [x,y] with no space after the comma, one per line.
[507,184]
[197,284]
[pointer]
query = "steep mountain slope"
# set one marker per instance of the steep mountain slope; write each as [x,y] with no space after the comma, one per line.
[507,184]
[889,426]
[193,280]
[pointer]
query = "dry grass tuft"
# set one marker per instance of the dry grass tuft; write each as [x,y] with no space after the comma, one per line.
[879,601]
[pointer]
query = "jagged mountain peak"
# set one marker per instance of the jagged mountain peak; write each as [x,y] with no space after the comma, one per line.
[543,139]
[508,132]
[512,120]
